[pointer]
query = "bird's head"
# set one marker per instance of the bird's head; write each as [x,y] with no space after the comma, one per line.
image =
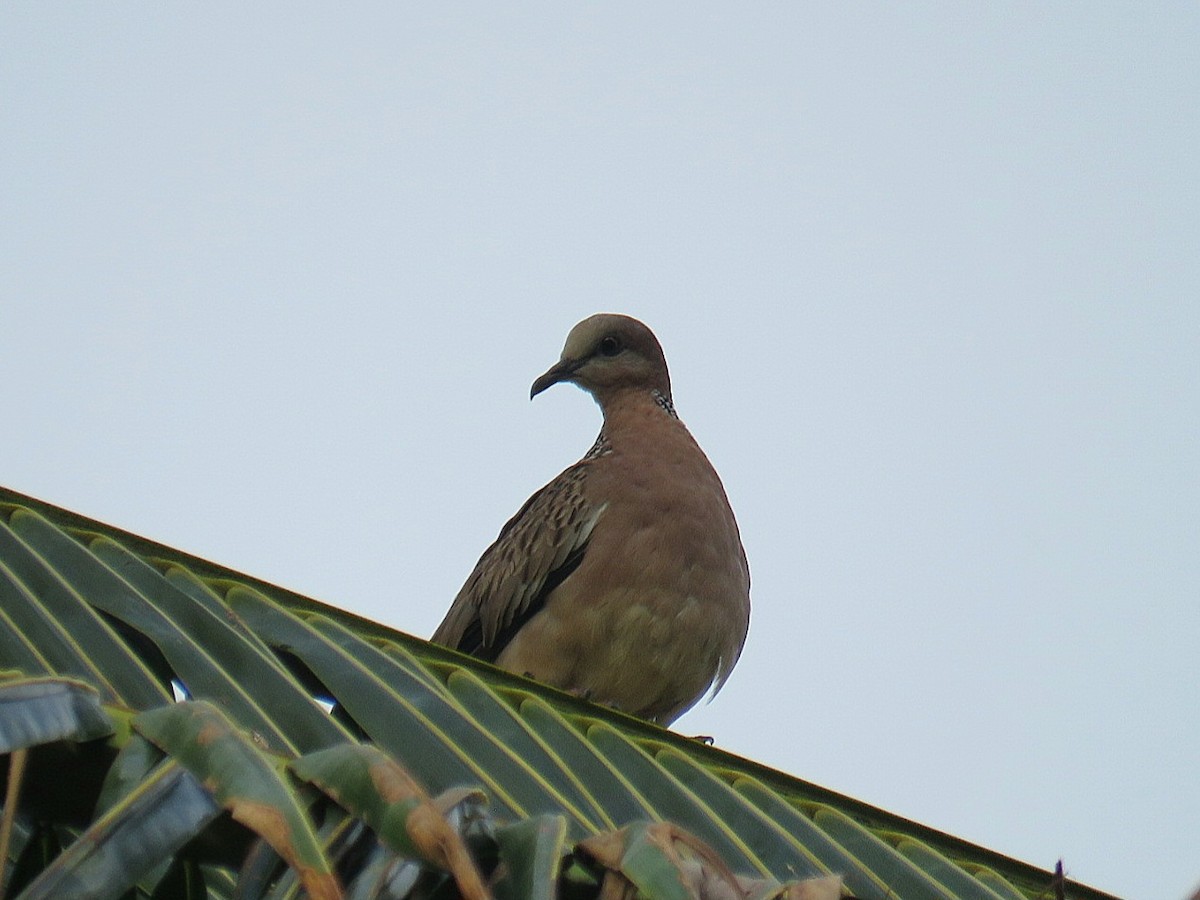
[607,353]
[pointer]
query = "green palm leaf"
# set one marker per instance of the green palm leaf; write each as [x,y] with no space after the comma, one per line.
[318,754]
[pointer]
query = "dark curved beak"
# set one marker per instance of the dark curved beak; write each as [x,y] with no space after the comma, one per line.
[560,371]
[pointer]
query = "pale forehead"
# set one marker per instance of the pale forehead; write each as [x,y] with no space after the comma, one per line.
[586,334]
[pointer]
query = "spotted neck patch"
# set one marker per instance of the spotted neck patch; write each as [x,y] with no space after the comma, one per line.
[665,402]
[602,447]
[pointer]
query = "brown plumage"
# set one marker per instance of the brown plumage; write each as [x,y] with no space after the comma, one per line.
[623,579]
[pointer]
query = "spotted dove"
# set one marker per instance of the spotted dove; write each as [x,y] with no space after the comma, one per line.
[622,580]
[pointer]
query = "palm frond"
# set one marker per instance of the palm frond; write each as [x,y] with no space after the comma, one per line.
[173,728]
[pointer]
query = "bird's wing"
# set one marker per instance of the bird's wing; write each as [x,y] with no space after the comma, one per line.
[536,550]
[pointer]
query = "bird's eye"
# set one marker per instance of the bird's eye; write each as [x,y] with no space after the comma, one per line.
[610,346]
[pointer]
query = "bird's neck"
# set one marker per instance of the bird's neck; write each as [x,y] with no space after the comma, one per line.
[635,405]
[630,412]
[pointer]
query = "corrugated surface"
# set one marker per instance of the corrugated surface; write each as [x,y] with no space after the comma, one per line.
[142,622]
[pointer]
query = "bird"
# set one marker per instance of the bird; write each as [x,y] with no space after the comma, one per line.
[623,580]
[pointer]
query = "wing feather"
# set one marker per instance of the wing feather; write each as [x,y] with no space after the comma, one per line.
[536,550]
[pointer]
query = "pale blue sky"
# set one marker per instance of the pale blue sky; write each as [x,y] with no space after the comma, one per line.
[277,278]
